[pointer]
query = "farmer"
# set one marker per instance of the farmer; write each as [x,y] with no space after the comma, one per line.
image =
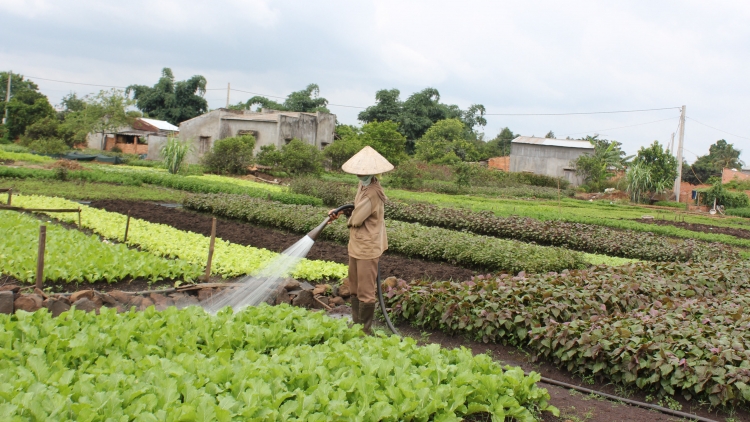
[367,238]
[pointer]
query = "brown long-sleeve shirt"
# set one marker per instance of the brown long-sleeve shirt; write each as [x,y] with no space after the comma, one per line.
[367,236]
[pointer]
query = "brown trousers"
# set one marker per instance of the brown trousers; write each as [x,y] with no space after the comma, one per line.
[363,275]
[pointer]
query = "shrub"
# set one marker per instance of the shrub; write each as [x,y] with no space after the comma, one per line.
[406,175]
[230,155]
[174,154]
[299,158]
[46,128]
[726,197]
[341,150]
[331,193]
[269,156]
[49,146]
[739,212]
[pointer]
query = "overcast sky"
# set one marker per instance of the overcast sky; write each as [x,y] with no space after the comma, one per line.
[513,57]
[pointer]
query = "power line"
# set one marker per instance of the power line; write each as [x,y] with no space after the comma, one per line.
[360,107]
[588,112]
[621,127]
[723,131]
[75,83]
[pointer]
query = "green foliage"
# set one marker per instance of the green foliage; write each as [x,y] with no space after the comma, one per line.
[419,112]
[664,328]
[306,100]
[385,138]
[49,146]
[445,130]
[25,108]
[654,171]
[332,194]
[406,175]
[596,168]
[230,155]
[74,257]
[580,237]
[464,173]
[195,184]
[341,150]
[671,204]
[414,240]
[269,156]
[92,191]
[739,212]
[444,143]
[23,156]
[720,155]
[261,363]
[298,158]
[726,197]
[172,101]
[173,154]
[103,113]
[230,259]
[45,128]
[500,145]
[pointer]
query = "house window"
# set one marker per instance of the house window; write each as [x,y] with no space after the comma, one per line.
[248,132]
[287,140]
[323,145]
[204,145]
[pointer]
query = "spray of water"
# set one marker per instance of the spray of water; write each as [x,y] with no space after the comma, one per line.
[256,288]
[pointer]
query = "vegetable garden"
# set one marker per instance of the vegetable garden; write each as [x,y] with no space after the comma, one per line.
[651,308]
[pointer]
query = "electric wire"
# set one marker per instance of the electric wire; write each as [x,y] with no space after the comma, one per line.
[722,131]
[621,127]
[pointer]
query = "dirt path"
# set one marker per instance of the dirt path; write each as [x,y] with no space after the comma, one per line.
[696,227]
[574,406]
[277,241]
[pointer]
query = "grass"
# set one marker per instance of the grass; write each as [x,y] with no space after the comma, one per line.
[24,156]
[89,191]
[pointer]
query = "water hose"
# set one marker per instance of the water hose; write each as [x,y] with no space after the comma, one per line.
[382,306]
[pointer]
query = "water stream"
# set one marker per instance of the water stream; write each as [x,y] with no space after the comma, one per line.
[254,289]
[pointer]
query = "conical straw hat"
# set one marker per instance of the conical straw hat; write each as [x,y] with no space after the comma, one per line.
[366,162]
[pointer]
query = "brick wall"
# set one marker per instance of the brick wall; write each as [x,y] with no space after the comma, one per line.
[499,163]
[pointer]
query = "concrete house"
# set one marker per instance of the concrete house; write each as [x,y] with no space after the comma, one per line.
[142,137]
[550,157]
[270,127]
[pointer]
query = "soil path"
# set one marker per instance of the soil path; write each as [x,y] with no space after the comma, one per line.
[574,406]
[277,241]
[697,227]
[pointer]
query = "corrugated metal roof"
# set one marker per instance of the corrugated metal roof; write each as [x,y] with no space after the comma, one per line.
[161,124]
[566,143]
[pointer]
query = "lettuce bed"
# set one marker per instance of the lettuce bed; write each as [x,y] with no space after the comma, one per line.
[263,363]
[230,259]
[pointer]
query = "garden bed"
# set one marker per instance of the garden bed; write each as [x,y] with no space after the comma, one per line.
[697,227]
[391,265]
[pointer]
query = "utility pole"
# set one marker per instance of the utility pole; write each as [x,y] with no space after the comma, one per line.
[671,144]
[681,142]
[7,97]
[227,94]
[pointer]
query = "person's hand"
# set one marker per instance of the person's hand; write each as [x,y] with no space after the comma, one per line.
[333,216]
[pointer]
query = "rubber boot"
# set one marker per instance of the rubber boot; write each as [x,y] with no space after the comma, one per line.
[355,309]
[366,315]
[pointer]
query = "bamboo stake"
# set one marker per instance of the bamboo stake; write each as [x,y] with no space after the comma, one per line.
[40,257]
[210,249]
[127,227]
[79,218]
[558,196]
[10,194]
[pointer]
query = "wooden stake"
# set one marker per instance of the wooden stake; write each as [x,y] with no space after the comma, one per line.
[127,227]
[40,257]
[10,194]
[558,196]
[79,218]
[210,249]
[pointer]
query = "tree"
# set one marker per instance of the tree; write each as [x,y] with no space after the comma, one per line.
[385,138]
[269,156]
[342,150]
[387,107]
[299,158]
[444,143]
[597,167]
[230,155]
[307,100]
[550,135]
[662,164]
[419,112]
[26,106]
[721,155]
[445,130]
[500,145]
[172,101]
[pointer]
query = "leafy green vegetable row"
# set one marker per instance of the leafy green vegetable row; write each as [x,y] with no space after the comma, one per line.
[229,259]
[185,183]
[598,213]
[667,328]
[23,156]
[263,363]
[409,239]
[581,237]
[73,256]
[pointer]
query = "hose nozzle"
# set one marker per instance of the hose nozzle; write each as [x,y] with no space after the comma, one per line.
[346,209]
